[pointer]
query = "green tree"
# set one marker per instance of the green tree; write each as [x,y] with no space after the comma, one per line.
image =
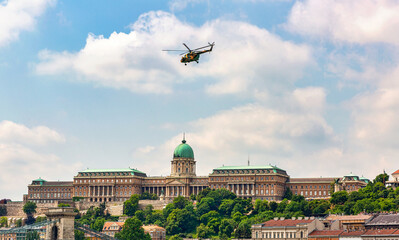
[282,205]
[132,229]
[205,218]
[18,222]
[339,197]
[226,207]
[273,206]
[192,197]
[168,209]
[204,231]
[3,210]
[140,215]
[243,230]
[41,218]
[79,235]
[3,222]
[288,194]
[203,194]
[382,178]
[175,237]
[63,205]
[98,224]
[29,208]
[131,205]
[32,235]
[181,221]
[180,202]
[298,198]
[226,228]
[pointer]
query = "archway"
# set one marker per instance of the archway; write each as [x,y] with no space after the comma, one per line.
[54,233]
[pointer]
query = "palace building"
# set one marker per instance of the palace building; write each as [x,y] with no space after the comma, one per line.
[257,182]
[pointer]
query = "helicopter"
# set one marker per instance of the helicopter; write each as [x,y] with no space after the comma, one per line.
[193,55]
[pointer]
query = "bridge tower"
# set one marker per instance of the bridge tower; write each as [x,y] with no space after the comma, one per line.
[63,228]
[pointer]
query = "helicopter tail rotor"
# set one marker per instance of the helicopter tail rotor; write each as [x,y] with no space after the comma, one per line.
[211,44]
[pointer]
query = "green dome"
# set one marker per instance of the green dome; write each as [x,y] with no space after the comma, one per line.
[183,151]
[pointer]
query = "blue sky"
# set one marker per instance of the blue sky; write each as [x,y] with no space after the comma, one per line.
[310,86]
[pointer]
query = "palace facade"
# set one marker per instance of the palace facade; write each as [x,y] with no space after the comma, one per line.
[257,182]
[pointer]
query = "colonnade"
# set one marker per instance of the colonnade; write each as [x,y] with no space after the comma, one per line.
[242,189]
[174,190]
[157,190]
[101,193]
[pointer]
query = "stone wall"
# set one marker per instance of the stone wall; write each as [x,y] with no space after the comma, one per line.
[157,204]
[14,209]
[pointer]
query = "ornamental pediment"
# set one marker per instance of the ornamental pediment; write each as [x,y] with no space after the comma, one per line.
[175,182]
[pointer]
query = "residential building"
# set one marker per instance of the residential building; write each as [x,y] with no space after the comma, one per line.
[110,228]
[349,222]
[156,232]
[277,229]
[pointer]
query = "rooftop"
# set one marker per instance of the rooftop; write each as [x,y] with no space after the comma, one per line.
[107,225]
[153,227]
[111,170]
[54,183]
[348,217]
[381,232]
[250,167]
[310,180]
[389,219]
[352,233]
[317,233]
[286,222]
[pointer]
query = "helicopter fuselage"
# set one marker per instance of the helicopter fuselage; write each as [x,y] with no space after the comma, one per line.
[190,57]
[193,56]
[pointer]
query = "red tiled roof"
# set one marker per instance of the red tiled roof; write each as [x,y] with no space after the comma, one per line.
[352,233]
[396,172]
[381,232]
[317,233]
[285,223]
[109,224]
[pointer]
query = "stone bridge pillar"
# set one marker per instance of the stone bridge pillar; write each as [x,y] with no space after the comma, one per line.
[63,228]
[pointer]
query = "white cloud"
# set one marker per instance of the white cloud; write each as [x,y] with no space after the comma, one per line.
[246,58]
[22,161]
[361,22]
[375,114]
[179,5]
[18,133]
[292,135]
[19,15]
